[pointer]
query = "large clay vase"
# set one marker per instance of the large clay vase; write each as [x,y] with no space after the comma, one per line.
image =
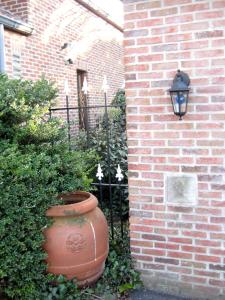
[77,241]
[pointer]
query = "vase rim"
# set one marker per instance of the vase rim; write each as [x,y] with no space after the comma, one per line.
[78,203]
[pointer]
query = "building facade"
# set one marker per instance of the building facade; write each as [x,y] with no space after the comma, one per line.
[177,168]
[63,40]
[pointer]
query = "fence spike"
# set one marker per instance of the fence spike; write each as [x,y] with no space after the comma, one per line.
[85,86]
[66,87]
[99,174]
[119,174]
[105,86]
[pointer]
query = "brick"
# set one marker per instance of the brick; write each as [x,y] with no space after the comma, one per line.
[206,273]
[195,63]
[180,240]
[166,47]
[153,237]
[195,234]
[220,252]
[195,169]
[209,34]
[220,187]
[216,169]
[193,264]
[195,26]
[169,261]
[208,243]
[219,283]
[218,4]
[167,246]
[180,209]
[166,231]
[135,33]
[218,43]
[209,53]
[133,50]
[195,151]
[149,22]
[177,38]
[207,258]
[194,7]
[150,40]
[211,72]
[164,12]
[209,160]
[151,57]
[194,45]
[209,15]
[164,30]
[141,84]
[142,257]
[208,227]
[165,66]
[182,255]
[217,267]
[175,2]
[179,19]
[153,266]
[130,77]
[219,23]
[208,211]
[179,270]
[135,15]
[154,252]
[194,279]
[178,55]
[140,67]
[193,249]
[210,178]
[148,5]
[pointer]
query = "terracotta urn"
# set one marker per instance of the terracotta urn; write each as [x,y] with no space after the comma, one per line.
[77,242]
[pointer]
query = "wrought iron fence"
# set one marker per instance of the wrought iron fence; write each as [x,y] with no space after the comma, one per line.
[109,191]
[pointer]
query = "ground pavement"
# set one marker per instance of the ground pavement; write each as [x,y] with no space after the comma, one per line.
[144,294]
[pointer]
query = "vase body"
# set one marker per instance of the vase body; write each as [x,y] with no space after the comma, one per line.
[77,241]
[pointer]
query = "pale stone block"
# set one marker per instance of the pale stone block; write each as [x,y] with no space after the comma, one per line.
[181,189]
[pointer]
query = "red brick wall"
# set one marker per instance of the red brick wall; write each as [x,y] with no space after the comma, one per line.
[179,249]
[96,48]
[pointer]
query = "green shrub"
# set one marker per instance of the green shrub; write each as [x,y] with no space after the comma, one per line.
[35,165]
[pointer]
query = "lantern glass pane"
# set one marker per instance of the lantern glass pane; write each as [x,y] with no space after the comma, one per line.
[179,100]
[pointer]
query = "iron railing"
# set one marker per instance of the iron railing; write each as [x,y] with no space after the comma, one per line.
[113,187]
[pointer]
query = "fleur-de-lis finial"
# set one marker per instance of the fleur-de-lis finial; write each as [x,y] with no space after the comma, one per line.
[105,86]
[85,86]
[99,174]
[66,87]
[119,174]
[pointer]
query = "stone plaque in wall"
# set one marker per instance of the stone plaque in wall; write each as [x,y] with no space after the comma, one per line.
[181,189]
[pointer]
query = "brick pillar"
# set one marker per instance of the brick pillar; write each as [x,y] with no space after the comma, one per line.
[179,245]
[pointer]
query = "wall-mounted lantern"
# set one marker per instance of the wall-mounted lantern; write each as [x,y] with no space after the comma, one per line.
[179,93]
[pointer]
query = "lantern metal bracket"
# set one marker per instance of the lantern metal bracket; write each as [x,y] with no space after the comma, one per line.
[181,81]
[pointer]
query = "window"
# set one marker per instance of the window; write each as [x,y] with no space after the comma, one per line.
[82,103]
[16,64]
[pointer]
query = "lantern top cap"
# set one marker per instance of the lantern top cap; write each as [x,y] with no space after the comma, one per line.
[181,82]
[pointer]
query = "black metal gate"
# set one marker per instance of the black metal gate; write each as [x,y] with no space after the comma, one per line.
[111,189]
